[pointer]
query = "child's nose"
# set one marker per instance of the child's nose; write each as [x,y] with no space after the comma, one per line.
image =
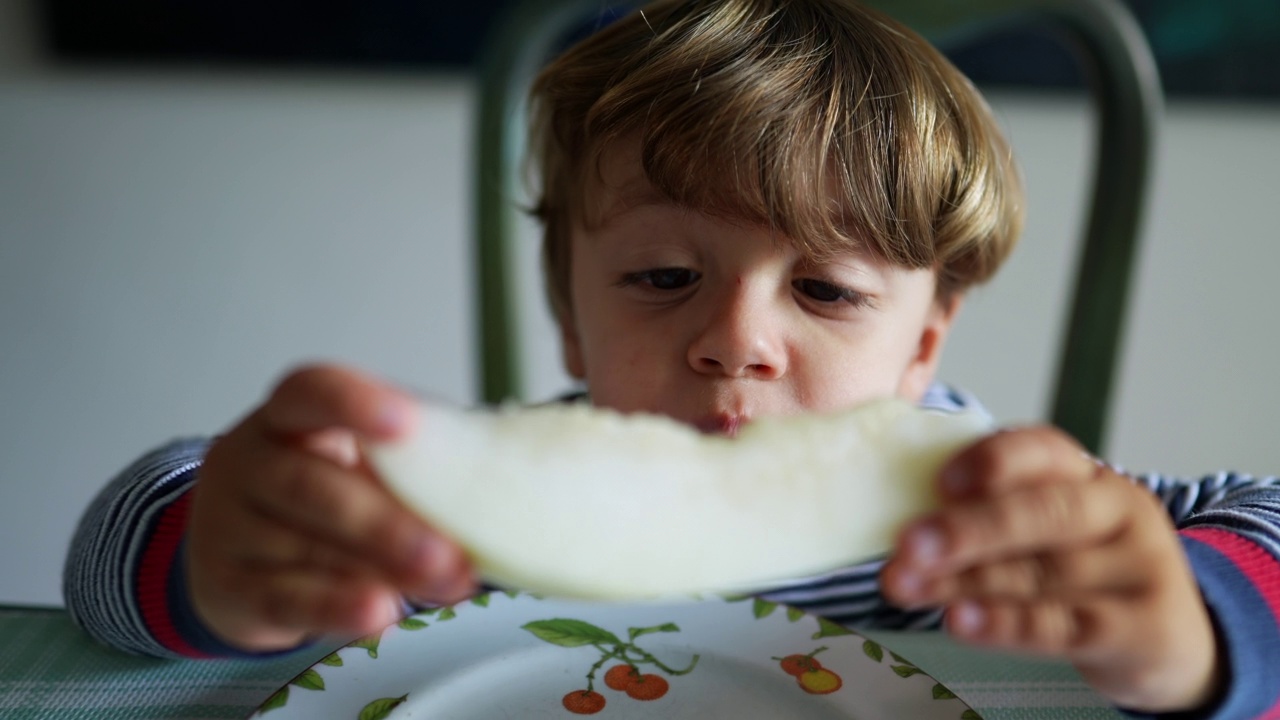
[741,338]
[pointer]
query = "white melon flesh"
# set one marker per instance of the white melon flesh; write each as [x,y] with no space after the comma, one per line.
[581,502]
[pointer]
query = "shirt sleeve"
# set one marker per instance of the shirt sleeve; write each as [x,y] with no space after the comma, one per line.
[124,577]
[1229,525]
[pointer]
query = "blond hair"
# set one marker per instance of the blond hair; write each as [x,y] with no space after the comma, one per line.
[824,119]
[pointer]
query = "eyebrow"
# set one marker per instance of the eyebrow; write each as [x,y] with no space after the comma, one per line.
[619,203]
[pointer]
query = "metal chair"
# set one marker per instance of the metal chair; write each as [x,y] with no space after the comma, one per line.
[1126,92]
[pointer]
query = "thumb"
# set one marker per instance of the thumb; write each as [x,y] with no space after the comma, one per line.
[322,397]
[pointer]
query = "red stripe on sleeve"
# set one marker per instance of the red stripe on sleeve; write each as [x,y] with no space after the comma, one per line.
[1256,564]
[153,577]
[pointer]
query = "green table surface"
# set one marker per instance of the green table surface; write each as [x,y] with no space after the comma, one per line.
[50,669]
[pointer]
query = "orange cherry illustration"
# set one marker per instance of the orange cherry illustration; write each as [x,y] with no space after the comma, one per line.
[620,677]
[584,702]
[648,687]
[799,664]
[796,664]
[819,682]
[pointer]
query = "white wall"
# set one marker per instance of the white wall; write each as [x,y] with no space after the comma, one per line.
[169,244]
[1201,381]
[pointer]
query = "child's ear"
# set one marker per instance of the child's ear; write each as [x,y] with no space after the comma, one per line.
[922,368]
[571,348]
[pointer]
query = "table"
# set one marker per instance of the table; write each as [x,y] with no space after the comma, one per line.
[49,669]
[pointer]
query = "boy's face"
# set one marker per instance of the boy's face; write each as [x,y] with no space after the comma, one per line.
[713,322]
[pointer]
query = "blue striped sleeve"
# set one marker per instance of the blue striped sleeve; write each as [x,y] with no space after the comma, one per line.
[99,576]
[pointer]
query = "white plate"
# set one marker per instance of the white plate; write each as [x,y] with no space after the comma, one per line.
[504,656]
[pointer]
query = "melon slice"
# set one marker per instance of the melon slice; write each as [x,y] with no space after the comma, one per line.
[581,502]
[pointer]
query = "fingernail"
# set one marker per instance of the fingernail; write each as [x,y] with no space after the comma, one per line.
[956,481]
[910,584]
[441,570]
[966,618]
[395,415]
[924,544]
[418,554]
[395,610]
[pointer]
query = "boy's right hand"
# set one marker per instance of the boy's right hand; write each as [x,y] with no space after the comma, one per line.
[292,536]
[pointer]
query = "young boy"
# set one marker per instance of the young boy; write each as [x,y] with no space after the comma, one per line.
[751,208]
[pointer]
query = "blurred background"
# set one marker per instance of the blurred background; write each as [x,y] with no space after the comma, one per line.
[197,195]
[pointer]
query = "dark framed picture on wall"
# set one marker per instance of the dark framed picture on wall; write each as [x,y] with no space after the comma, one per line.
[1205,48]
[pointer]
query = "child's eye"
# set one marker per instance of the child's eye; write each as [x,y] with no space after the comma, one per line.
[825,292]
[661,278]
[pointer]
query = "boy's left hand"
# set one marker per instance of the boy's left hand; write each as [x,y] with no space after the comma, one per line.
[1039,548]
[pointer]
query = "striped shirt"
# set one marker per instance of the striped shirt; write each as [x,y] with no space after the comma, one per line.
[124,578]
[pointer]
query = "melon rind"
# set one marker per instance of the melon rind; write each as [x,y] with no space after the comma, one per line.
[581,502]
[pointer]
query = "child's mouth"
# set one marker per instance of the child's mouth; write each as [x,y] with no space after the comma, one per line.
[720,424]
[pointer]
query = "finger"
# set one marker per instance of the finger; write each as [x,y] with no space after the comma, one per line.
[1025,520]
[322,397]
[334,505]
[449,584]
[318,603]
[265,547]
[1013,458]
[263,542]
[1045,627]
[337,445]
[1069,576]
[465,588]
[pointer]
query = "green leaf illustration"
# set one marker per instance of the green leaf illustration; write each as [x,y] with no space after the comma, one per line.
[762,608]
[941,693]
[482,600]
[370,644]
[900,659]
[970,714]
[636,632]
[379,709]
[513,594]
[411,623]
[873,650]
[570,633]
[826,628]
[735,598]
[447,614]
[309,680]
[794,614]
[277,699]
[332,660]
[905,671]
